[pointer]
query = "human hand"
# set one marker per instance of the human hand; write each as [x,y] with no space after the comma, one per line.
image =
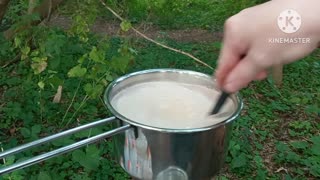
[249,45]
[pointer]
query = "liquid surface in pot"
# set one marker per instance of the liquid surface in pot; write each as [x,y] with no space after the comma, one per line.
[171,105]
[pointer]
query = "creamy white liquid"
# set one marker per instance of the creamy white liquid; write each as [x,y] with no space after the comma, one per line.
[170,105]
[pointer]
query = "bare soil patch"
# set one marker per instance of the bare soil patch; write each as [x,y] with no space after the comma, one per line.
[112,29]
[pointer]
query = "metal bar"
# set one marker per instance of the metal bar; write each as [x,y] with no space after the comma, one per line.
[53,137]
[62,150]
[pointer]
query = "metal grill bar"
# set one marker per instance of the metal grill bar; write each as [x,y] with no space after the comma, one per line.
[62,150]
[54,137]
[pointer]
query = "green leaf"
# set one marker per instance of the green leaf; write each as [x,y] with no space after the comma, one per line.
[97,55]
[35,53]
[258,160]
[288,177]
[282,147]
[239,161]
[78,155]
[25,51]
[38,59]
[82,58]
[84,176]
[10,160]
[52,72]
[312,109]
[41,84]
[299,171]
[55,63]
[55,81]
[92,151]
[292,133]
[89,160]
[125,26]
[293,157]
[23,56]
[88,88]
[93,91]
[295,100]
[36,129]
[315,149]
[34,17]
[44,176]
[108,77]
[13,81]
[39,67]
[261,174]
[91,163]
[25,132]
[17,41]
[13,109]
[120,63]
[63,142]
[299,144]
[315,139]
[87,133]
[97,91]
[315,171]
[217,45]
[77,71]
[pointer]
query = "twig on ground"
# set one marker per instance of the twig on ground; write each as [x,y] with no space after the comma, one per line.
[81,104]
[4,160]
[49,11]
[72,101]
[155,42]
[16,59]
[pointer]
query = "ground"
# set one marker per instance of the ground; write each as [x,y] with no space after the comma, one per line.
[111,28]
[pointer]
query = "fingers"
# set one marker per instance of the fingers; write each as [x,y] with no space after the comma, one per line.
[245,72]
[227,61]
[232,51]
[261,75]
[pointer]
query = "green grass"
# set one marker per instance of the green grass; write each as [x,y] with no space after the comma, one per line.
[277,135]
[184,14]
[172,14]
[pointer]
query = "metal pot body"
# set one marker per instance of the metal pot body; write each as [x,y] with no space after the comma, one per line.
[147,152]
[150,154]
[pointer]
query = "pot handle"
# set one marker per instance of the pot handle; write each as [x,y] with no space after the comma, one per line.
[62,150]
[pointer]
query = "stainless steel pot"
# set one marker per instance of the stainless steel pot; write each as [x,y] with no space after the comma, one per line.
[147,152]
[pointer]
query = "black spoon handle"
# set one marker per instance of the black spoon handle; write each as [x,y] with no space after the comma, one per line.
[223,97]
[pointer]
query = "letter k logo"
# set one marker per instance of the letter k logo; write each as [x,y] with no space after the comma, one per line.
[289,21]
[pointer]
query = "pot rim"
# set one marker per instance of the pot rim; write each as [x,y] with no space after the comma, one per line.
[107,102]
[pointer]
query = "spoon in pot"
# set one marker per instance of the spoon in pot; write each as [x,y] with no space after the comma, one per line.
[222,99]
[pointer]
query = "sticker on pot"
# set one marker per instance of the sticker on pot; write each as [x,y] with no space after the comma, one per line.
[137,156]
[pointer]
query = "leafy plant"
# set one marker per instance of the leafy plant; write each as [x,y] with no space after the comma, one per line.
[88,159]
[77,62]
[301,153]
